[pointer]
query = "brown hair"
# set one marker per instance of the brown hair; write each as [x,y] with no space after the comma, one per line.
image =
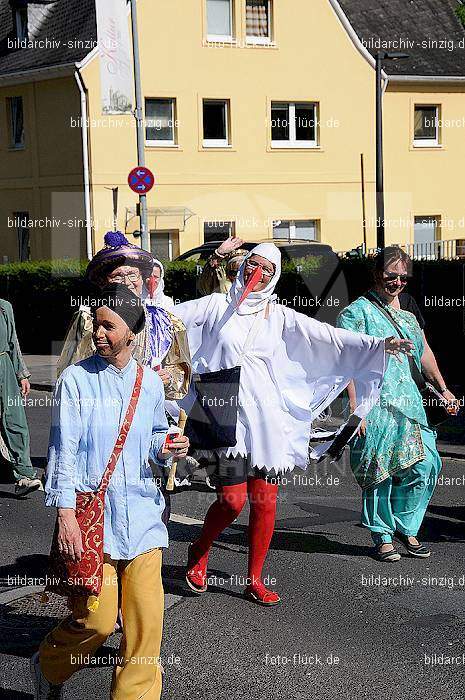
[391,254]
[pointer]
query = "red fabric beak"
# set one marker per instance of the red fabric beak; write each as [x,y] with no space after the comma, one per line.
[255,277]
[151,286]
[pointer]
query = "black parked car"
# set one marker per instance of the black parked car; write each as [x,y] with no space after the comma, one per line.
[290,250]
[322,294]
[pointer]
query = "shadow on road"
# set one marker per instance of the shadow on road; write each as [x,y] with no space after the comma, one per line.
[440,529]
[31,566]
[283,539]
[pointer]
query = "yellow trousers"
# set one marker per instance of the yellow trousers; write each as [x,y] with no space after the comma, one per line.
[137,673]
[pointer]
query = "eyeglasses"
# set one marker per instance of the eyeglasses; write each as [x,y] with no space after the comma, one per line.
[265,270]
[131,276]
[392,277]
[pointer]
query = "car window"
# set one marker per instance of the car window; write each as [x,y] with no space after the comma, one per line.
[193,257]
[292,252]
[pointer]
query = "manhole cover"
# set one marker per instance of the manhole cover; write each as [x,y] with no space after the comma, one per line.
[26,620]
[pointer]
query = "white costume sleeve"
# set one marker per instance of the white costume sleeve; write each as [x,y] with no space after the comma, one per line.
[341,354]
[196,312]
[331,358]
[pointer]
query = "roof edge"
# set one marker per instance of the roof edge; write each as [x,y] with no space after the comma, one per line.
[36,74]
[353,36]
[448,79]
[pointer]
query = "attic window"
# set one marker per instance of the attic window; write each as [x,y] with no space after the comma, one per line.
[21,23]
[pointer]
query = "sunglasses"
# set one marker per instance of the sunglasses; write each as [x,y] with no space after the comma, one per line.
[392,277]
[265,270]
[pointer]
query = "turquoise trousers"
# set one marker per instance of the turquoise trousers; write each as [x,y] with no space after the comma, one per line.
[400,502]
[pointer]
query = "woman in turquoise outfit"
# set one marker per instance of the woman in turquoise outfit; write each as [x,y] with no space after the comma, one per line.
[394,456]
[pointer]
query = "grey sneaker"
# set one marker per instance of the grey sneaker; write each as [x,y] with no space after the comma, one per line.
[43,690]
[26,485]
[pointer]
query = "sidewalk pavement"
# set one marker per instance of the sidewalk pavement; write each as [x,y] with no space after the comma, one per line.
[43,371]
[43,377]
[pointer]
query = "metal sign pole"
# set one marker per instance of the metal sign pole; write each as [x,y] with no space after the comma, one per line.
[380,228]
[139,114]
[362,166]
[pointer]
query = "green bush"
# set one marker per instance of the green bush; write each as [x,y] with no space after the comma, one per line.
[42,295]
[460,12]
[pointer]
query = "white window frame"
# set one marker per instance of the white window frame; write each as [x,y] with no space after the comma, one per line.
[222,38]
[162,142]
[217,143]
[262,40]
[172,233]
[427,143]
[293,228]
[431,247]
[292,142]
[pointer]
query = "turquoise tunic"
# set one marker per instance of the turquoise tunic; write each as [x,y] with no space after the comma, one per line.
[14,432]
[393,440]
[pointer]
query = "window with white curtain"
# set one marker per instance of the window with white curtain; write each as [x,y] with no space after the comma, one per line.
[303,230]
[220,20]
[16,121]
[258,21]
[426,235]
[164,245]
[294,124]
[426,126]
[160,121]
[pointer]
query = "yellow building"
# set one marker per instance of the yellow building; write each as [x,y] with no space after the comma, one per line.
[256,116]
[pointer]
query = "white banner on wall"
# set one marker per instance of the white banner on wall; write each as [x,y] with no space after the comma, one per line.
[116,72]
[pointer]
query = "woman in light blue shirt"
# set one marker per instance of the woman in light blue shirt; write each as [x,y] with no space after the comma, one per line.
[90,402]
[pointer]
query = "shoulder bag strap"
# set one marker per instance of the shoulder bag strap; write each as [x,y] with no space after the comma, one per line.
[123,433]
[414,371]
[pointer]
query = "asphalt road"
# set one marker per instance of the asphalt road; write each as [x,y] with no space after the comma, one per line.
[348,627]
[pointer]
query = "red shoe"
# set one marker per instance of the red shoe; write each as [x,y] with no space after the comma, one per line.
[260,594]
[196,575]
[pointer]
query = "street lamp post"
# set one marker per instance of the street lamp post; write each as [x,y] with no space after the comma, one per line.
[380,57]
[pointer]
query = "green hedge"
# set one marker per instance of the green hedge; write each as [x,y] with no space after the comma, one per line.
[41,295]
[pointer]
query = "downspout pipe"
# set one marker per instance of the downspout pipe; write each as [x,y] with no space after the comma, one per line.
[85,160]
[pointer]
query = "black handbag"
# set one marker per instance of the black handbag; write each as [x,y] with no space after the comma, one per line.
[212,419]
[434,403]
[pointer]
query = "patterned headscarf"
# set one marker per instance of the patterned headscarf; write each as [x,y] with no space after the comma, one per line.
[160,333]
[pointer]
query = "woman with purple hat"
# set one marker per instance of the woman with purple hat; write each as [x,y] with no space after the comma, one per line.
[162,344]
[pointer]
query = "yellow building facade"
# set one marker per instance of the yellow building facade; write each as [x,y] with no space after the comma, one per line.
[259,132]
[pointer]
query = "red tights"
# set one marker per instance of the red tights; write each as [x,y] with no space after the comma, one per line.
[229,503]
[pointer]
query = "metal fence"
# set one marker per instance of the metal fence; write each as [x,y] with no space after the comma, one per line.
[431,250]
